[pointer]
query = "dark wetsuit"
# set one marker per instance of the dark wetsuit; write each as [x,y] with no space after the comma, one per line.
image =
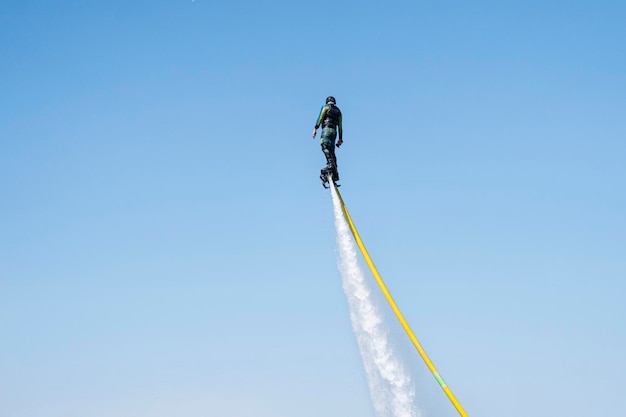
[330,120]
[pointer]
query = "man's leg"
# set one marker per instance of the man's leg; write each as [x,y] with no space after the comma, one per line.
[329,153]
[328,147]
[331,161]
[334,159]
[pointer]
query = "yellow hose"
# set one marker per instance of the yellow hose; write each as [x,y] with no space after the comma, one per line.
[397,312]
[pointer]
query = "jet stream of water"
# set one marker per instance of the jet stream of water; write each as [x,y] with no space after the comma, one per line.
[390,385]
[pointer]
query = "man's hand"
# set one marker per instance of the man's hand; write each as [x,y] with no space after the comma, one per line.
[314,133]
[339,143]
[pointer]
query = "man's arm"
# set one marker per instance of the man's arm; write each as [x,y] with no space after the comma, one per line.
[320,118]
[340,129]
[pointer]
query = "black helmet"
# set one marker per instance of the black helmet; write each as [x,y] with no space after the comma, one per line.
[331,99]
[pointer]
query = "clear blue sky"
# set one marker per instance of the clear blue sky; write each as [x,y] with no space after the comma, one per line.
[166,247]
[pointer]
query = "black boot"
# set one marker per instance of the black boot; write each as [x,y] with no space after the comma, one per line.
[324,177]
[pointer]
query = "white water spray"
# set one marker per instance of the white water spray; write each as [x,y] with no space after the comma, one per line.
[391,388]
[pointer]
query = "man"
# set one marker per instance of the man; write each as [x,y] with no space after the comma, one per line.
[330,120]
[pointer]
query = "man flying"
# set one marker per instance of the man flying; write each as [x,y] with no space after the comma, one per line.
[330,120]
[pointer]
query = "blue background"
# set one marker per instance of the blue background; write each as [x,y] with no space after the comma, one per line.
[166,247]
